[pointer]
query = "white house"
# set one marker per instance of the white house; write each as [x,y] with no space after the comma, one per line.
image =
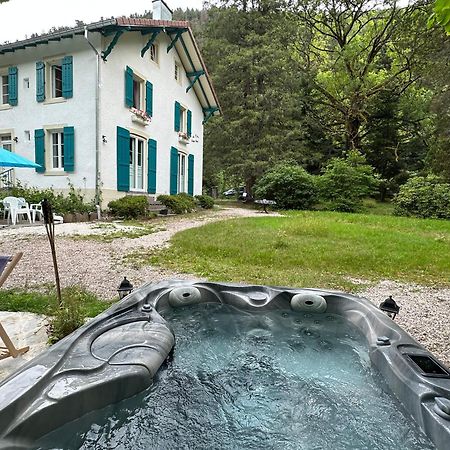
[115,107]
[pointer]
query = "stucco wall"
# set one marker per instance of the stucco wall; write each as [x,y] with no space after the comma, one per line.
[166,90]
[78,111]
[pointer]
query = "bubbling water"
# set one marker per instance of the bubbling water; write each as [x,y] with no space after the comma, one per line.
[262,380]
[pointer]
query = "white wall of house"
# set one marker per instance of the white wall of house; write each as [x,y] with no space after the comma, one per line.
[166,90]
[78,112]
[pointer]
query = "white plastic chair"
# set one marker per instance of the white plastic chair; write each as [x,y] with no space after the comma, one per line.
[15,208]
[36,210]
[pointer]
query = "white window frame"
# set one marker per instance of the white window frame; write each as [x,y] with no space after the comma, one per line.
[59,134]
[10,142]
[154,53]
[138,138]
[49,167]
[4,73]
[140,82]
[183,118]
[50,94]
[182,172]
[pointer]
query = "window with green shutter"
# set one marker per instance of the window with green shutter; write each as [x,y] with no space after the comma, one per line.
[191,174]
[173,171]
[12,86]
[177,117]
[123,159]
[67,77]
[69,149]
[152,158]
[129,87]
[39,149]
[149,98]
[40,81]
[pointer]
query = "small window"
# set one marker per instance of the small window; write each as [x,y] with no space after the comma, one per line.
[4,90]
[138,92]
[57,146]
[183,119]
[6,141]
[56,80]
[154,53]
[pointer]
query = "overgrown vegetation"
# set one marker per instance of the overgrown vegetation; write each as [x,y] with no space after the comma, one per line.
[424,197]
[346,182]
[313,249]
[179,203]
[78,305]
[205,201]
[130,207]
[290,186]
[72,202]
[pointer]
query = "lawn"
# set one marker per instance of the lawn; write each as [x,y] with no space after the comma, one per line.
[315,249]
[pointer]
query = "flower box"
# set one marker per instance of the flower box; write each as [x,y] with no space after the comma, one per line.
[183,138]
[139,116]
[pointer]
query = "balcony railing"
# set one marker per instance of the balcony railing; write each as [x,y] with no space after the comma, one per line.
[7,179]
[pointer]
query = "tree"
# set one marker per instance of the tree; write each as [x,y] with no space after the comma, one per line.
[266,105]
[353,51]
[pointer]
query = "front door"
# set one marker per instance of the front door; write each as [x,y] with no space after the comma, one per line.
[136,163]
[181,172]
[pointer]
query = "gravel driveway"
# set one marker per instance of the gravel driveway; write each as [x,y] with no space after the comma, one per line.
[99,266]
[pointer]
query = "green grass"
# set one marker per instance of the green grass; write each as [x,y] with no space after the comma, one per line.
[316,249]
[46,303]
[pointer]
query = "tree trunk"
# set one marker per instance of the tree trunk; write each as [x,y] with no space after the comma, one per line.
[353,138]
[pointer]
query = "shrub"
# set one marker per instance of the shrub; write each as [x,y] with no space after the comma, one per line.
[423,197]
[70,316]
[205,201]
[130,206]
[74,202]
[346,181]
[179,204]
[290,186]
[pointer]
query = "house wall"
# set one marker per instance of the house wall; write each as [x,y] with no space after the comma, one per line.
[78,112]
[166,90]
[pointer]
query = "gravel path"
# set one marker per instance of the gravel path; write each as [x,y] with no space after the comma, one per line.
[99,266]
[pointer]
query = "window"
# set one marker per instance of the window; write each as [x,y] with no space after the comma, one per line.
[6,141]
[137,146]
[154,53]
[4,90]
[57,146]
[56,79]
[138,92]
[183,119]
[181,172]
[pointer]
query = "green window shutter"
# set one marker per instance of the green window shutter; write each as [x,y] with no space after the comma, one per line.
[173,171]
[67,77]
[12,86]
[177,117]
[151,185]
[149,98]
[123,159]
[40,81]
[129,87]
[39,149]
[191,174]
[69,149]
[189,123]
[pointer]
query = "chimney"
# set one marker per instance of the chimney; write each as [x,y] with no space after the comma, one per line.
[161,11]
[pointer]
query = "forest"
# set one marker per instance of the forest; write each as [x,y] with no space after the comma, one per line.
[302,82]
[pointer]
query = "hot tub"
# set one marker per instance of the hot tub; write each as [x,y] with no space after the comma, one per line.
[253,366]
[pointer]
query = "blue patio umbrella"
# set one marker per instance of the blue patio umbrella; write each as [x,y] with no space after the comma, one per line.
[9,159]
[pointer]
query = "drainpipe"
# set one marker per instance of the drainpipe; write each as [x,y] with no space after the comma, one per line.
[97,115]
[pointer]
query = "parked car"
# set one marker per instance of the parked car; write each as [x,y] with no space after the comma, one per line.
[233,192]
